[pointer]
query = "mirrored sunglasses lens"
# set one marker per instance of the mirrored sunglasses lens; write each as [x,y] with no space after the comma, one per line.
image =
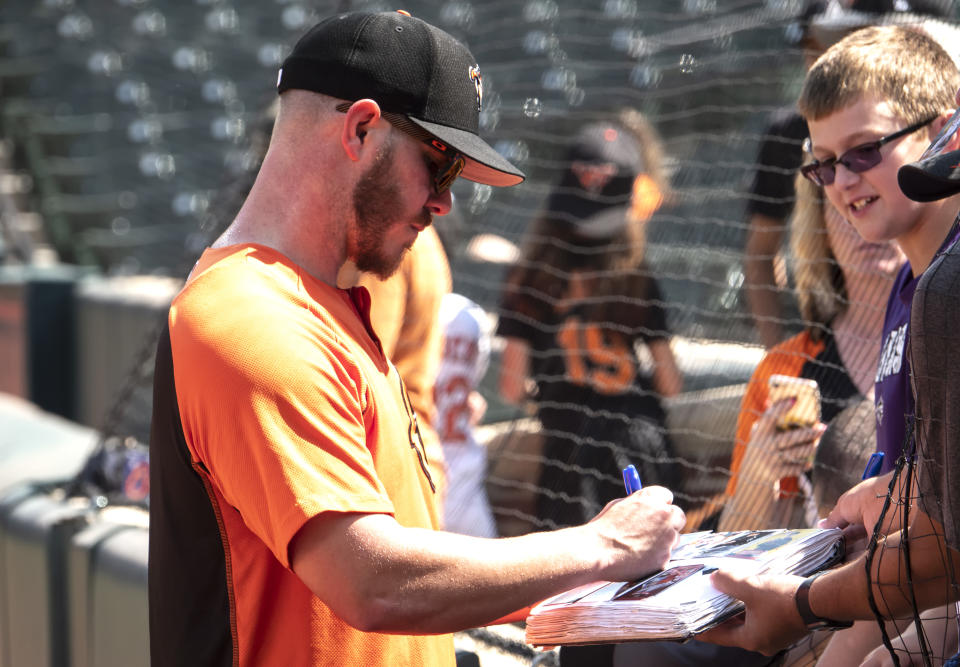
[818,173]
[449,174]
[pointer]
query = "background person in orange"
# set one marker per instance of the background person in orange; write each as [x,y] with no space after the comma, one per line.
[842,287]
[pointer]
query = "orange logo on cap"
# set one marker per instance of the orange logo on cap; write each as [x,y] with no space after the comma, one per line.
[478,83]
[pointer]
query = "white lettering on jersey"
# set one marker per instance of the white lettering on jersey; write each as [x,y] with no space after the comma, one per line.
[891,355]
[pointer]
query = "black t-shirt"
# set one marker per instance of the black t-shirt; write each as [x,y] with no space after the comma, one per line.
[934,353]
[583,355]
[781,154]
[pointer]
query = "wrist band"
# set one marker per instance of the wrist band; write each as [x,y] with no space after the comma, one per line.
[811,620]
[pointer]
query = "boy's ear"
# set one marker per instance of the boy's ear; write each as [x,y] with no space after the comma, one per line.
[954,142]
[358,120]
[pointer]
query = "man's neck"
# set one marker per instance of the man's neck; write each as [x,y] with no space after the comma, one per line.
[306,235]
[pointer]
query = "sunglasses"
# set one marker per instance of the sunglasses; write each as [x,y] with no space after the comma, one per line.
[445,172]
[858,159]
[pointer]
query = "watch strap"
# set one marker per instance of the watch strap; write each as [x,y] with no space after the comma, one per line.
[811,620]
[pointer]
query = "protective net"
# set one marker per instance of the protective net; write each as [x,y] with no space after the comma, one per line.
[909,555]
[135,128]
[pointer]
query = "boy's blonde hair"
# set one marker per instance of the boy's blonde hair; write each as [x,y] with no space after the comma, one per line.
[900,65]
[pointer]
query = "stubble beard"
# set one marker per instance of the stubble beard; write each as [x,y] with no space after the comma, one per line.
[375,200]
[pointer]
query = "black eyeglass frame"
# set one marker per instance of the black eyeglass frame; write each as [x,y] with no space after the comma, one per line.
[811,170]
[444,174]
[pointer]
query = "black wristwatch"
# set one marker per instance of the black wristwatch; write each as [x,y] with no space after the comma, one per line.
[811,620]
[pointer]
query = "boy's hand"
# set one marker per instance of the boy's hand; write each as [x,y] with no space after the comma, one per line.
[770,621]
[858,510]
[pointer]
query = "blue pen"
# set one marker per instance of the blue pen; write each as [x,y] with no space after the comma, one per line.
[873,465]
[631,479]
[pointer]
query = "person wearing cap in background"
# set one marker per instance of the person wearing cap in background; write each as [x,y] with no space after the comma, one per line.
[772,194]
[572,312]
[873,101]
[293,513]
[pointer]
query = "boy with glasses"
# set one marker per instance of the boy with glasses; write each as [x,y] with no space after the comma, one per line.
[863,127]
[873,102]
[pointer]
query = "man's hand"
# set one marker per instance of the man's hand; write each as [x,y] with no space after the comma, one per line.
[380,576]
[769,623]
[637,533]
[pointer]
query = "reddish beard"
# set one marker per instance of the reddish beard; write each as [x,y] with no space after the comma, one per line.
[375,200]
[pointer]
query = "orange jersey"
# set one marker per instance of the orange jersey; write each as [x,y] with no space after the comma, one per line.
[405,312]
[289,409]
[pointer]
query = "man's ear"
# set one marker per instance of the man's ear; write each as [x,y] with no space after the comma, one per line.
[358,119]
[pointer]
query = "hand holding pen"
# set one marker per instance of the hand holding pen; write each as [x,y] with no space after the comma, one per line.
[631,479]
[638,532]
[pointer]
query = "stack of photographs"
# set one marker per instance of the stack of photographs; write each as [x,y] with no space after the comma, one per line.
[679,601]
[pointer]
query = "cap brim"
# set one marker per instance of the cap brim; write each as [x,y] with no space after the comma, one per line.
[483,164]
[936,177]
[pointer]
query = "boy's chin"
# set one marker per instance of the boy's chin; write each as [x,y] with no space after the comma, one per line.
[867,230]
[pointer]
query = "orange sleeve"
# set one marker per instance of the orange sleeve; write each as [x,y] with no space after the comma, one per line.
[284,439]
[787,358]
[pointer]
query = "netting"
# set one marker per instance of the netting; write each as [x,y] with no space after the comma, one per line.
[141,125]
[922,498]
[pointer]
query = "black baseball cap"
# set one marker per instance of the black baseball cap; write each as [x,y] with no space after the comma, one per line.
[408,67]
[936,175]
[594,193]
[933,178]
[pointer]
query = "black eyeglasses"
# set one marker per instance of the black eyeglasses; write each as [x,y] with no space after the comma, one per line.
[858,159]
[444,173]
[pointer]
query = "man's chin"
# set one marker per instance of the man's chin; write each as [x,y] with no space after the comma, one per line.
[381,267]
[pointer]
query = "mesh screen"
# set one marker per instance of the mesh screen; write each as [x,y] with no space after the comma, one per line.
[141,126]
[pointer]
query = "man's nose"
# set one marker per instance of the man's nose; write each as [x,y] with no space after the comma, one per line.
[440,204]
